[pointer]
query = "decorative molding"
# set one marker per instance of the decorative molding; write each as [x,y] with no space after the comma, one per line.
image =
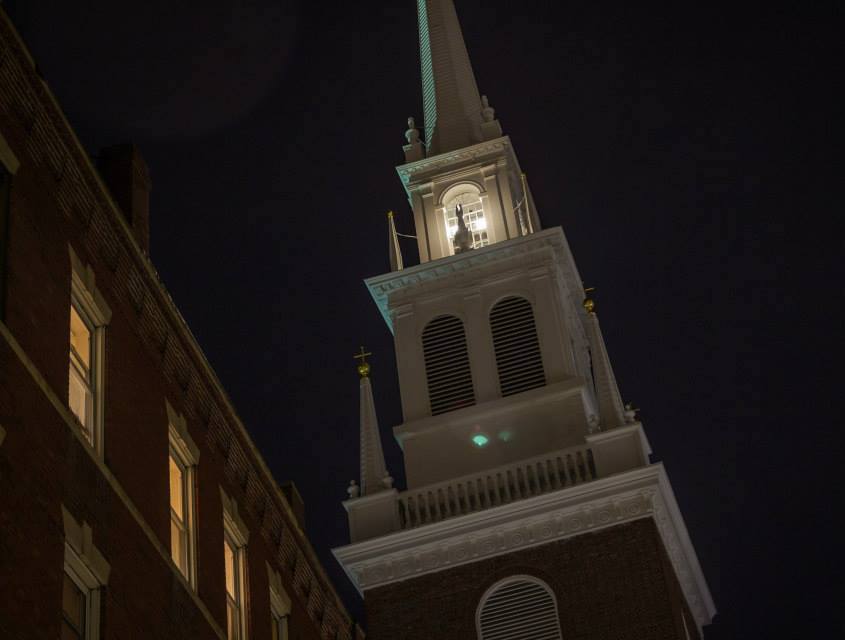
[410,172]
[80,538]
[550,517]
[85,286]
[180,437]
[534,249]
[279,598]
[232,518]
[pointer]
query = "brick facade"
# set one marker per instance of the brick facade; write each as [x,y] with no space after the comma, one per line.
[59,201]
[614,584]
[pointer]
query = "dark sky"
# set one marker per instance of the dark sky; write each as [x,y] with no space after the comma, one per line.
[686,152]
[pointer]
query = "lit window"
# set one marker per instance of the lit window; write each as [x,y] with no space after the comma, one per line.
[235,537]
[473,218]
[89,315]
[81,381]
[233,559]
[182,461]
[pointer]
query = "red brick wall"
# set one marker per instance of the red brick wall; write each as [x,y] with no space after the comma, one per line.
[612,584]
[42,464]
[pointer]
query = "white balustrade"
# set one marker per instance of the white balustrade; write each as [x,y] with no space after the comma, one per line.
[524,479]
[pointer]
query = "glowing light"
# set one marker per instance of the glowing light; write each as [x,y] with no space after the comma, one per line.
[480,440]
[505,436]
[453,229]
[480,224]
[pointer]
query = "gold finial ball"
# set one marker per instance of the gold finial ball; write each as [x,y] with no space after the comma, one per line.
[389,214]
[364,369]
[589,305]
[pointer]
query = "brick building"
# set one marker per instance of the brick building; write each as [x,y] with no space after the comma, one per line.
[532,510]
[133,503]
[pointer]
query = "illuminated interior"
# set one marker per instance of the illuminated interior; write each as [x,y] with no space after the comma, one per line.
[480,440]
[178,521]
[80,379]
[232,561]
[474,218]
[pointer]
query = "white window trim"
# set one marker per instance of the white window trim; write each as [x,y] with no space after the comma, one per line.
[92,305]
[236,531]
[86,566]
[280,602]
[187,453]
[7,157]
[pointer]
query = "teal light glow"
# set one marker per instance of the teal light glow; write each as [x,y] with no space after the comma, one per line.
[480,440]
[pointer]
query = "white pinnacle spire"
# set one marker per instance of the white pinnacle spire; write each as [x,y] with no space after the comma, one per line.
[451,100]
[611,409]
[374,476]
[395,250]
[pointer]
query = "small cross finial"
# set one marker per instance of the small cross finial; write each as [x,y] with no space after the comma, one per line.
[363,365]
[589,303]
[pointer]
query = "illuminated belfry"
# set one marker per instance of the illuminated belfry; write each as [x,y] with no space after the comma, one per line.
[532,510]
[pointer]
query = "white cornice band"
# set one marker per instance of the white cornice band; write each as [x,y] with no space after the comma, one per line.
[641,493]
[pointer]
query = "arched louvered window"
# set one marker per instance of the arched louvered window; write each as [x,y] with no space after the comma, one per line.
[517,348]
[447,365]
[520,607]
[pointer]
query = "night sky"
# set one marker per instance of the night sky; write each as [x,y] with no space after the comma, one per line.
[686,152]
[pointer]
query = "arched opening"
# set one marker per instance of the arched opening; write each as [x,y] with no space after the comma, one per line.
[521,607]
[447,367]
[519,360]
[469,197]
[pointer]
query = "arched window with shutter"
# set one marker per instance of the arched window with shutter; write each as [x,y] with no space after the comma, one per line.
[447,368]
[521,607]
[517,348]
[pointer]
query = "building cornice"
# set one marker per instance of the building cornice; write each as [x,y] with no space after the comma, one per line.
[554,516]
[437,274]
[420,170]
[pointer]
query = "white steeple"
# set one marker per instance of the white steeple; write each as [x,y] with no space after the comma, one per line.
[450,95]
[374,475]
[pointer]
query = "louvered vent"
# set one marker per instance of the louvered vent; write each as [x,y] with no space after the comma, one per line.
[447,365]
[519,609]
[517,348]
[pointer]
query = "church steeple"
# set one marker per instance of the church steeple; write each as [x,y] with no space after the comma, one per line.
[374,475]
[451,99]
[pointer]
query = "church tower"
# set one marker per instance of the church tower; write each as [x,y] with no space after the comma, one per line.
[532,510]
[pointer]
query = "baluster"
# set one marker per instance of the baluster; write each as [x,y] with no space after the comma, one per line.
[544,476]
[436,500]
[570,468]
[506,489]
[582,472]
[591,464]
[402,516]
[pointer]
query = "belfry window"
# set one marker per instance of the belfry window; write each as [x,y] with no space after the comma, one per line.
[447,367]
[518,357]
[518,607]
[469,198]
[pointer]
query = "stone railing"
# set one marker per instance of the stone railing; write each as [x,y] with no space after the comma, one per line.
[524,479]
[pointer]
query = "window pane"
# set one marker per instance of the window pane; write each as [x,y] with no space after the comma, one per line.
[233,620]
[73,610]
[78,398]
[177,489]
[80,338]
[229,560]
[177,545]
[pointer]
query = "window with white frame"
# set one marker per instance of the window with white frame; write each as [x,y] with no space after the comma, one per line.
[86,572]
[235,536]
[182,460]
[88,317]
[468,196]
[280,605]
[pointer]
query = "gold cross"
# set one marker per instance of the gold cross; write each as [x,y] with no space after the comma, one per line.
[363,366]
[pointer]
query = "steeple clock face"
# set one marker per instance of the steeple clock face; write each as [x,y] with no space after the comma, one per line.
[474,218]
